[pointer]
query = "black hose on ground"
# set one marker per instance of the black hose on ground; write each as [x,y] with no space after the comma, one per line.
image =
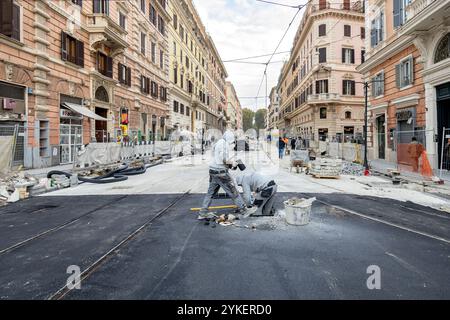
[117,175]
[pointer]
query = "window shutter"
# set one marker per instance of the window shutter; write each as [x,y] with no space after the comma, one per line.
[142,83]
[373,34]
[96,6]
[343,55]
[326,86]
[317,87]
[382,83]
[147,84]
[352,55]
[343,86]
[80,53]
[353,87]
[106,11]
[396,13]
[380,38]
[119,72]
[109,67]
[373,86]
[129,77]
[63,46]
[16,23]
[411,70]
[6,12]
[397,75]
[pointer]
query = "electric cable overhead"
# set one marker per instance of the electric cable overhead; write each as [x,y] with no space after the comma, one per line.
[279,4]
[300,7]
[260,56]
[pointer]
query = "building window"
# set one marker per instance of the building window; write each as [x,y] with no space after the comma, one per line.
[181,32]
[145,85]
[399,12]
[143,6]
[143,43]
[101,94]
[175,75]
[163,93]
[347,30]
[182,108]
[348,115]
[122,20]
[188,111]
[104,64]
[124,74]
[153,15]
[10,19]
[322,30]
[377,30]
[323,113]
[322,86]
[175,21]
[404,73]
[322,55]
[175,106]
[154,89]
[363,56]
[72,50]
[161,59]
[378,85]
[363,33]
[348,87]
[101,6]
[443,49]
[161,25]
[44,138]
[348,55]
[153,52]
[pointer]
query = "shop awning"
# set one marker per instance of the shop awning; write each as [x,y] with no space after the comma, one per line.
[83,110]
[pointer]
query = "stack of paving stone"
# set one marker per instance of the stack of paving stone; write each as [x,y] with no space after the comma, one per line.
[324,167]
[352,169]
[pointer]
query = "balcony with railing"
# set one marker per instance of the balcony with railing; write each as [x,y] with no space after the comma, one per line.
[103,30]
[416,7]
[355,6]
[324,98]
[422,15]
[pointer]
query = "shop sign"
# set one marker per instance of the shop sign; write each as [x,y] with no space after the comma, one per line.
[404,115]
[69,114]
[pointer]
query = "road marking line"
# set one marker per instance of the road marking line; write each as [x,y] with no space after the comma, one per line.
[387,223]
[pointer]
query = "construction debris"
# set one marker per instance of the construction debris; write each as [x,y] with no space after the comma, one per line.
[326,168]
[352,169]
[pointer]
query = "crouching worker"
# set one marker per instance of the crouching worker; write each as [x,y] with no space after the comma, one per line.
[219,176]
[264,189]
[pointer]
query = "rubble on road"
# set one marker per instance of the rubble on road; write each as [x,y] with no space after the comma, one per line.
[15,186]
[352,169]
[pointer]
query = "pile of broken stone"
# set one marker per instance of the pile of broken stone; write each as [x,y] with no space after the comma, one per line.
[19,185]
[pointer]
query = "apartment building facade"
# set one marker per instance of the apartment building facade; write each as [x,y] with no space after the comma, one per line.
[408,54]
[74,72]
[233,107]
[321,92]
[273,110]
[192,58]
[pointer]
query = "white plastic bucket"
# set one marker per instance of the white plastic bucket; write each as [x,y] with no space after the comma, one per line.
[298,211]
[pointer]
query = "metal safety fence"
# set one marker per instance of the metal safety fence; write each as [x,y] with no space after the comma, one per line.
[12,140]
[444,154]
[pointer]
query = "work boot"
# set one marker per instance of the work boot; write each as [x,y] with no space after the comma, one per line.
[248,211]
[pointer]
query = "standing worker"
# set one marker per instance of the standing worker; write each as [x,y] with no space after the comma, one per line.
[264,188]
[221,161]
[293,141]
[281,147]
[415,150]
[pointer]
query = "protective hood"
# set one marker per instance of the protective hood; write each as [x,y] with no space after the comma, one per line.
[228,136]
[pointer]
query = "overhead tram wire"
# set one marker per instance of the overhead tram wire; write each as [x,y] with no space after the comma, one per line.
[280,4]
[300,7]
[252,57]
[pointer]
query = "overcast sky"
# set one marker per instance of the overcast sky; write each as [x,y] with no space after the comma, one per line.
[242,28]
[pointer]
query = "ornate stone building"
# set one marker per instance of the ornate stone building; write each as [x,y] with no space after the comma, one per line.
[320,90]
[74,72]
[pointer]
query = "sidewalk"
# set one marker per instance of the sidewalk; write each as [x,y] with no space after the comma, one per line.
[383,167]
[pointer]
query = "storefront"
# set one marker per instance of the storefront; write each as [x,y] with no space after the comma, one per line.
[72,113]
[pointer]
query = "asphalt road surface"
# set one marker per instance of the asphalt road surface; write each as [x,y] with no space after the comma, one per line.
[135,247]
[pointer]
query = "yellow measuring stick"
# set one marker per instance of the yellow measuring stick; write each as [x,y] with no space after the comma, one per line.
[230,206]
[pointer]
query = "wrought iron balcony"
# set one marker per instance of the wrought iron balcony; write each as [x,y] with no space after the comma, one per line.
[323,98]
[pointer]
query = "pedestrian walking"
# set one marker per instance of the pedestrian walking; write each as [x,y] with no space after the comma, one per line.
[293,141]
[281,147]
